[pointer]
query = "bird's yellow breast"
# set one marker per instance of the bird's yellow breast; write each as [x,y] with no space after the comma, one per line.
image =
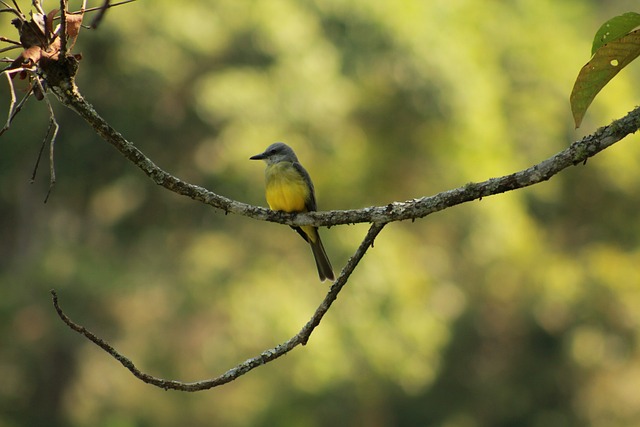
[286,189]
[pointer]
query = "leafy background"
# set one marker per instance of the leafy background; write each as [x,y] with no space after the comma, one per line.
[518,310]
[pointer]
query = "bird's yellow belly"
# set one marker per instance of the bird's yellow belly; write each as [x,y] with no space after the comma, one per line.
[286,189]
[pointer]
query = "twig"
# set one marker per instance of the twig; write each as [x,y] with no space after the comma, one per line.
[63,28]
[12,103]
[53,124]
[266,356]
[16,5]
[13,108]
[52,130]
[8,40]
[98,8]
[44,144]
[101,12]
[8,48]
[52,169]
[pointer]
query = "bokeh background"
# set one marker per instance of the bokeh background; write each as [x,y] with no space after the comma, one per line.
[522,309]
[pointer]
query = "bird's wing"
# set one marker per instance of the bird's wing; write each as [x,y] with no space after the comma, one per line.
[310,203]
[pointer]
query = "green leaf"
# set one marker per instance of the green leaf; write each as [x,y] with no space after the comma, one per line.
[607,61]
[615,28]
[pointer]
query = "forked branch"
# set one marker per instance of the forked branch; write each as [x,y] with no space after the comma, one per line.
[576,153]
[58,72]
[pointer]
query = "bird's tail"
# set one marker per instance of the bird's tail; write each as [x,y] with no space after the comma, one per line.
[322,261]
[312,236]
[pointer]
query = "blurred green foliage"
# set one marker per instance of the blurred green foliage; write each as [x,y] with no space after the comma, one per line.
[518,310]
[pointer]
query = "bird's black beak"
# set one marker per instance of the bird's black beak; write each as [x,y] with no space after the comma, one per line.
[260,156]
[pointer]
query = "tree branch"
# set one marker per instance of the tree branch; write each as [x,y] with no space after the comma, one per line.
[578,152]
[265,357]
[59,73]
[60,77]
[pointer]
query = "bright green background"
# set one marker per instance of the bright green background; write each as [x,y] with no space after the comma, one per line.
[519,310]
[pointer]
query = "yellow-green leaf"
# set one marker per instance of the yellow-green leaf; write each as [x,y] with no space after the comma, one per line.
[615,28]
[607,61]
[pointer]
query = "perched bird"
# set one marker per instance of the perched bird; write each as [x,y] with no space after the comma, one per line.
[289,189]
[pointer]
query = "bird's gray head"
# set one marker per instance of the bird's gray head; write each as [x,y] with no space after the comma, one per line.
[276,153]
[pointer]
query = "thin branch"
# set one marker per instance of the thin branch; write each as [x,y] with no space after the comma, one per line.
[52,170]
[266,356]
[578,152]
[16,5]
[8,40]
[12,103]
[53,131]
[98,8]
[63,28]
[8,48]
[44,144]
[101,12]
[13,108]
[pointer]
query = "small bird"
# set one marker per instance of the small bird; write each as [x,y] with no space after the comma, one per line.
[289,189]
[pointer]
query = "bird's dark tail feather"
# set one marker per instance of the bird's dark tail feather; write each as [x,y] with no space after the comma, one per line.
[322,261]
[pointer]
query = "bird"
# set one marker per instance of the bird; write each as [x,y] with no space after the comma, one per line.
[288,188]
